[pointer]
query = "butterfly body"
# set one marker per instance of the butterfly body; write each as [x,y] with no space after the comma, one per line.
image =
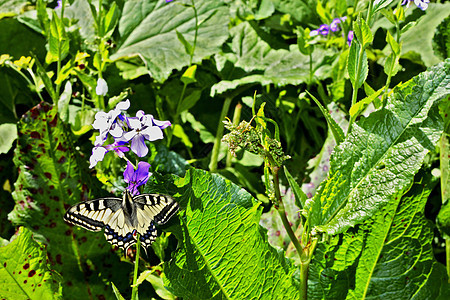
[122,218]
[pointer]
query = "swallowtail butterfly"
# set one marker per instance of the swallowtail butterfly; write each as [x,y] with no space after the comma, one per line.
[123,217]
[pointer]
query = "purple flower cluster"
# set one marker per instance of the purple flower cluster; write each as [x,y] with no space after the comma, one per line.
[422,4]
[127,132]
[325,29]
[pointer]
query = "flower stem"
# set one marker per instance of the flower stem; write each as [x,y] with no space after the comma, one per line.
[219,134]
[236,119]
[136,268]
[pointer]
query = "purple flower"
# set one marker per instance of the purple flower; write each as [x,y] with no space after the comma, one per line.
[99,152]
[136,178]
[324,29]
[168,1]
[422,4]
[334,26]
[143,127]
[107,122]
[350,37]
[314,32]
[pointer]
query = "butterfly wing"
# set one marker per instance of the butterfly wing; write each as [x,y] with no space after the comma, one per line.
[93,215]
[151,209]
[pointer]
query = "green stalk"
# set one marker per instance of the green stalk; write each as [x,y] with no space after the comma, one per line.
[310,68]
[358,69]
[219,134]
[195,34]
[447,254]
[136,268]
[236,119]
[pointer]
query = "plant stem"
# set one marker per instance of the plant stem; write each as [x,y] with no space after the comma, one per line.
[310,68]
[447,254]
[282,210]
[195,34]
[136,268]
[356,88]
[219,134]
[236,119]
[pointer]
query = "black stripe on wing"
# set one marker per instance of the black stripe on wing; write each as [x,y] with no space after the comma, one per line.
[158,207]
[93,214]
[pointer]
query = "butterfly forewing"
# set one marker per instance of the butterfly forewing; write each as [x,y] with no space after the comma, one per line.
[93,215]
[123,218]
[157,207]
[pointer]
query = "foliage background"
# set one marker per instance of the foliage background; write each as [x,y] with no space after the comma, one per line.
[240,52]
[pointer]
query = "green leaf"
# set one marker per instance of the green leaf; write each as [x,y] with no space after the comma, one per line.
[302,11]
[111,20]
[57,40]
[265,10]
[394,247]
[362,179]
[189,75]
[10,8]
[378,5]
[46,80]
[359,106]
[52,177]
[366,34]
[117,292]
[419,39]
[441,39]
[8,134]
[334,127]
[353,67]
[300,196]
[25,272]
[156,282]
[186,44]
[395,47]
[401,236]
[149,29]
[223,251]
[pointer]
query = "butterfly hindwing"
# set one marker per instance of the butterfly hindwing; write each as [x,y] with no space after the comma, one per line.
[123,218]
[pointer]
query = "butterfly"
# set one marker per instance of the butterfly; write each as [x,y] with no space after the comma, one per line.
[123,217]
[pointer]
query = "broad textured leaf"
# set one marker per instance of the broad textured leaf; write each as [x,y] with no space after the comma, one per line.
[303,11]
[419,39]
[9,8]
[52,177]
[148,29]
[8,134]
[382,153]
[388,257]
[441,39]
[25,272]
[398,250]
[223,251]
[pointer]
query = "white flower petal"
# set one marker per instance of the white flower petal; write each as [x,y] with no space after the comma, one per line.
[102,87]
[124,105]
[116,130]
[152,133]
[134,123]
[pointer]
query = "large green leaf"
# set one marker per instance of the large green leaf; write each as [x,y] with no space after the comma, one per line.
[52,176]
[149,29]
[398,250]
[382,153]
[223,252]
[419,38]
[266,61]
[25,272]
[389,257]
